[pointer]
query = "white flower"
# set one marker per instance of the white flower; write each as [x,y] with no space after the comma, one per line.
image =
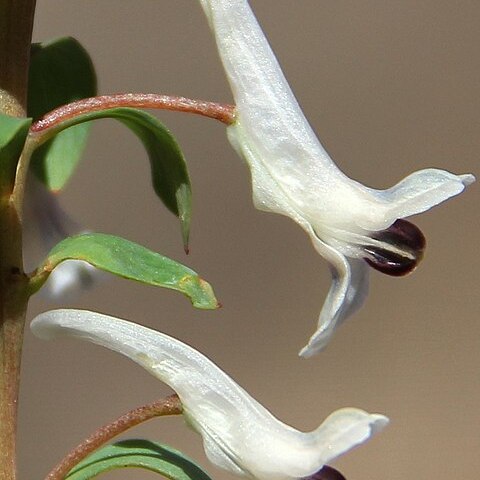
[46,225]
[239,434]
[293,175]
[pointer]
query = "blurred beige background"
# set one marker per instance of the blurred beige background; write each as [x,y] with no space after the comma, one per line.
[390,87]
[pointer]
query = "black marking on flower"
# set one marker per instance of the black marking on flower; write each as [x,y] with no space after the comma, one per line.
[408,245]
[326,473]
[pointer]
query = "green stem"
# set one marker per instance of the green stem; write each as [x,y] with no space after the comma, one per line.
[16,24]
[18,194]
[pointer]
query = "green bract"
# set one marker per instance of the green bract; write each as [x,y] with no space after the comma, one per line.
[131,261]
[151,456]
[60,72]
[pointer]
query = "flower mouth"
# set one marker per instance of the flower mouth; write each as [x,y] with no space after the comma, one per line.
[326,473]
[401,248]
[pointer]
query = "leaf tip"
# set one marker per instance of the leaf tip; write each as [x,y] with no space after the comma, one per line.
[204,297]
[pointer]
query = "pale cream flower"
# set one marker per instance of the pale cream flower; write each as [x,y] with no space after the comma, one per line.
[293,175]
[239,434]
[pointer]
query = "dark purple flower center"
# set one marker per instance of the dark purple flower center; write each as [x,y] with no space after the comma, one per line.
[408,242]
[326,473]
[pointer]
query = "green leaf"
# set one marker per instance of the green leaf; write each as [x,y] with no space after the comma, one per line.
[61,72]
[168,167]
[13,132]
[155,457]
[132,261]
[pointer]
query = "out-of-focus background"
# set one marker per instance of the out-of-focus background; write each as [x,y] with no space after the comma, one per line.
[390,87]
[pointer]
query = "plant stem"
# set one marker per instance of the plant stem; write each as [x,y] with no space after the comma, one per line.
[11,339]
[168,406]
[16,24]
[13,305]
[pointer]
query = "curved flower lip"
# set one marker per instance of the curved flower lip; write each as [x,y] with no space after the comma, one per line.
[47,224]
[239,434]
[293,175]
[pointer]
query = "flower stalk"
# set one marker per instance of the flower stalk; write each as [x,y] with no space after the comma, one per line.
[63,117]
[222,112]
[168,406]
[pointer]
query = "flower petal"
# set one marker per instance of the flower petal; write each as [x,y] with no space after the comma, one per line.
[271,127]
[350,276]
[68,278]
[348,291]
[239,434]
[273,135]
[417,193]
[348,427]
[263,98]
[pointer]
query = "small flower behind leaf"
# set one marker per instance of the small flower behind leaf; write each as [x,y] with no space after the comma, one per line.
[293,175]
[239,434]
[46,225]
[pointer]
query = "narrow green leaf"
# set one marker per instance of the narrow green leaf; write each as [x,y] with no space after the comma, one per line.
[13,132]
[61,72]
[152,456]
[168,167]
[132,261]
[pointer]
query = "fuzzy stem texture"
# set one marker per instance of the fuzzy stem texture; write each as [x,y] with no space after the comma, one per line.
[222,112]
